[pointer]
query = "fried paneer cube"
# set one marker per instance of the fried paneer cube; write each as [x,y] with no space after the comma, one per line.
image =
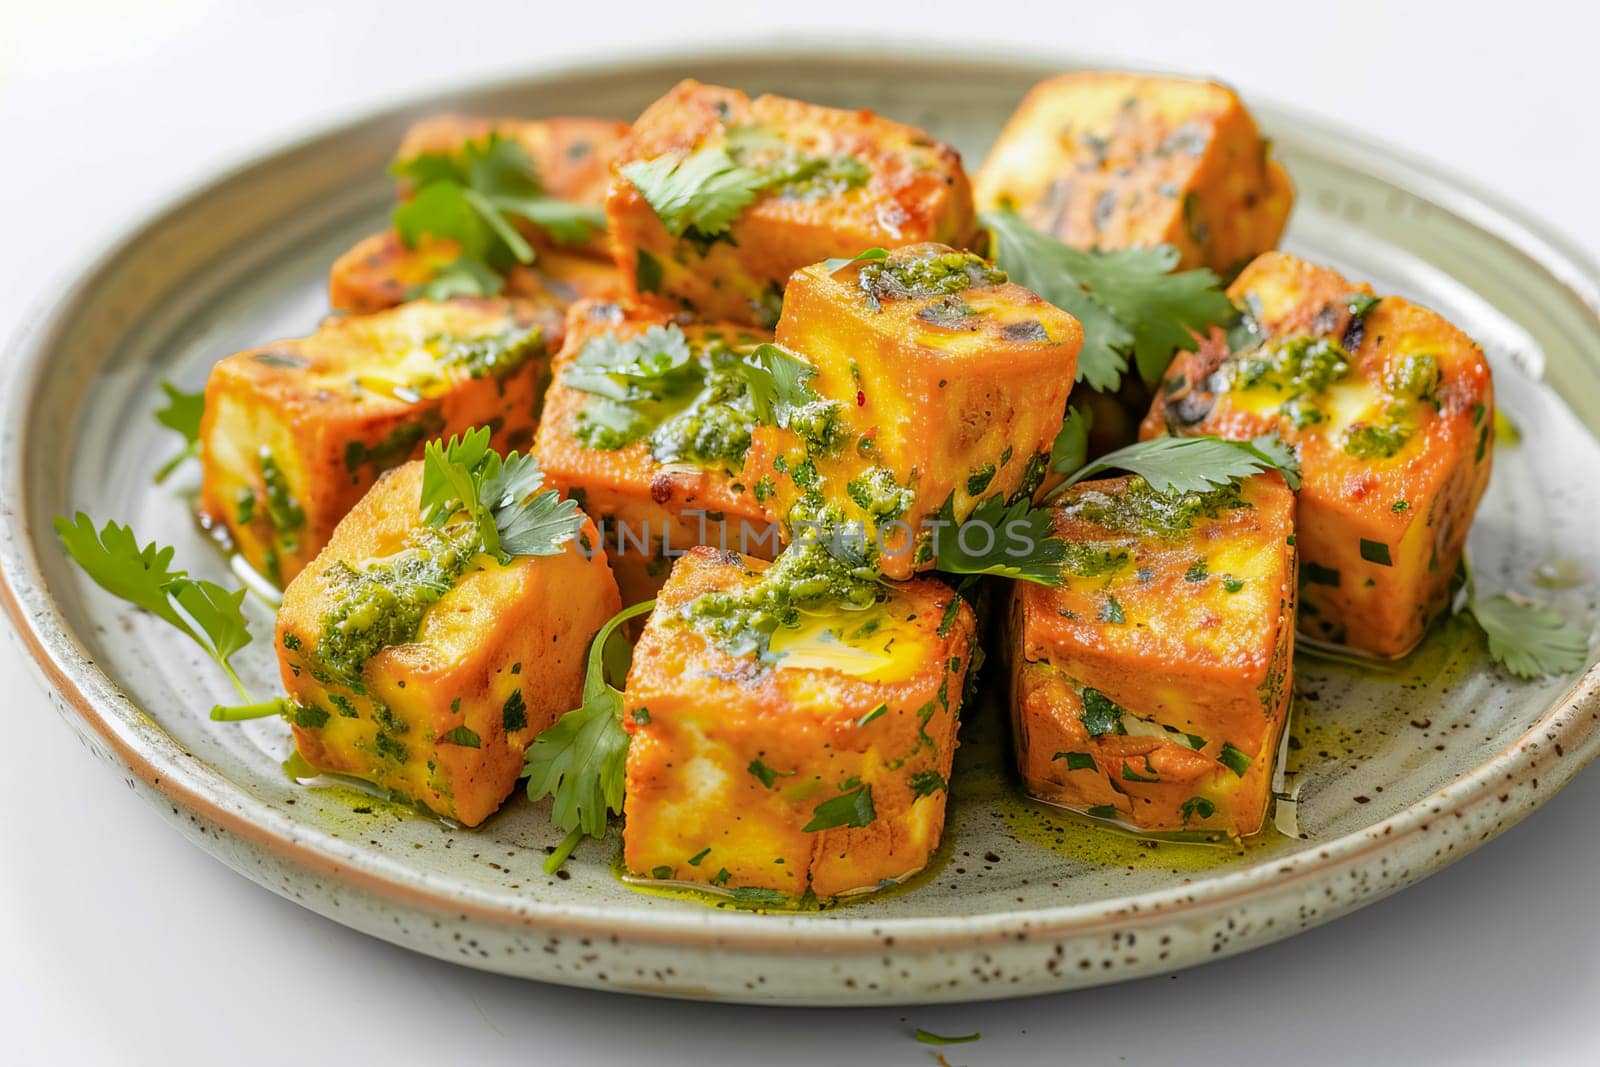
[296,431]
[818,765]
[1152,686]
[1102,160]
[647,423]
[1391,409]
[423,666]
[571,157]
[655,458]
[941,385]
[795,183]
[380,272]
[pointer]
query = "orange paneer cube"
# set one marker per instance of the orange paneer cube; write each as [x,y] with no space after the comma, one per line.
[1152,686]
[1391,409]
[646,423]
[818,764]
[1104,160]
[940,385]
[475,658]
[803,183]
[296,431]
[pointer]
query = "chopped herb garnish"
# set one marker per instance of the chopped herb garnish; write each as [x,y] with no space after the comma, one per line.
[852,809]
[1233,759]
[463,737]
[1376,552]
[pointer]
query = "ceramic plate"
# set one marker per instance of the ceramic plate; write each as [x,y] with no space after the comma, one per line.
[1390,775]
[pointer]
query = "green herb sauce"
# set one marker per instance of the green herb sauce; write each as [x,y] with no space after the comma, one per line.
[382,605]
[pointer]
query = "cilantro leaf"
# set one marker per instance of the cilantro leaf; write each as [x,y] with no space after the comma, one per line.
[1128,301]
[1529,639]
[502,497]
[462,276]
[778,381]
[579,761]
[853,809]
[1174,465]
[831,265]
[637,368]
[566,223]
[212,617]
[1010,539]
[182,413]
[703,191]
[1071,448]
[472,197]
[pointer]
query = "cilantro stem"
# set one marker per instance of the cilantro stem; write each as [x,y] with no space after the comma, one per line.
[553,862]
[192,451]
[241,712]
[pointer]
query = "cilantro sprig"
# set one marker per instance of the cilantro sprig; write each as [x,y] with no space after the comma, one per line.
[211,616]
[503,498]
[579,761]
[473,197]
[1129,301]
[182,414]
[1173,465]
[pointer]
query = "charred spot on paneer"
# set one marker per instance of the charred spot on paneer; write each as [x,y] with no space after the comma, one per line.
[647,421]
[380,271]
[296,431]
[930,383]
[792,725]
[1103,160]
[1152,686]
[719,198]
[1391,409]
[423,664]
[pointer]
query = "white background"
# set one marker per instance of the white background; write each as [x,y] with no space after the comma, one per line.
[121,943]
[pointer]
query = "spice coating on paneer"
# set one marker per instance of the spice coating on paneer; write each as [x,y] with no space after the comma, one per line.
[942,385]
[646,423]
[296,431]
[380,272]
[1391,410]
[818,764]
[798,184]
[1152,686]
[1105,160]
[426,667]
[571,157]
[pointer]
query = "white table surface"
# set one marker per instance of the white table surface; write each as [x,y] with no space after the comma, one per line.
[121,943]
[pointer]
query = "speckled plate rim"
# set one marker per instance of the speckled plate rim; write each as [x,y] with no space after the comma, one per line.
[1567,730]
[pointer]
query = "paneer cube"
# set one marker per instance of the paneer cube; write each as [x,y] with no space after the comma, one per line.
[426,668]
[1152,686]
[654,458]
[380,272]
[1391,409]
[812,183]
[1104,160]
[296,431]
[818,766]
[571,157]
[941,385]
